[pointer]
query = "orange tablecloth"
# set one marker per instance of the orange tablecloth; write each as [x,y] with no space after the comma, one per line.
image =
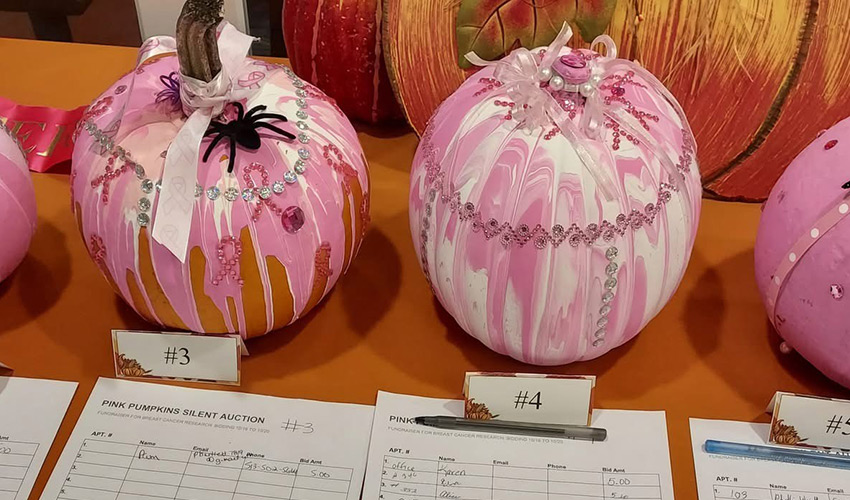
[709,353]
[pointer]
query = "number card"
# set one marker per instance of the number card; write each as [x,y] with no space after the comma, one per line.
[177,356]
[810,421]
[553,399]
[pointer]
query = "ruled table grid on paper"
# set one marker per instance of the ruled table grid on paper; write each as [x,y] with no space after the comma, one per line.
[108,470]
[742,492]
[15,460]
[412,479]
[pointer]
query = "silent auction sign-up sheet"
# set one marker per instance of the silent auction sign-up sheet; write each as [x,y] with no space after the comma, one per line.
[140,441]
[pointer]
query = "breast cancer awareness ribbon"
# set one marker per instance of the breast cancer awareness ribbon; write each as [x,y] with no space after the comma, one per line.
[201,101]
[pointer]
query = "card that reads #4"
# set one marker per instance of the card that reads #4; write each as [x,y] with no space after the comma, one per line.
[177,356]
[527,397]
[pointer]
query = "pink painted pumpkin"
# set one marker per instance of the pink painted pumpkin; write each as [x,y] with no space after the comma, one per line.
[268,241]
[515,233]
[17,204]
[802,254]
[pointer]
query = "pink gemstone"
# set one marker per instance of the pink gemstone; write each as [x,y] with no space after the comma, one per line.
[573,60]
[618,91]
[837,291]
[292,219]
[829,145]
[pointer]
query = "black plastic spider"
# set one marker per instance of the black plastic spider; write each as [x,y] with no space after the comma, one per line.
[243,131]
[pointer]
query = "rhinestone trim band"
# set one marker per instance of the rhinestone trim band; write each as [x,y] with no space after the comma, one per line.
[213,193]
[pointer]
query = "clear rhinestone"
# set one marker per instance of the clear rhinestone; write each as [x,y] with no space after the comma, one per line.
[140,171]
[199,190]
[144,219]
[302,125]
[144,204]
[277,187]
[301,114]
[301,102]
[602,321]
[265,192]
[304,154]
[301,92]
[122,154]
[611,253]
[610,283]
[607,297]
[604,310]
[213,192]
[290,177]
[598,342]
[298,83]
[303,138]
[611,268]
[231,194]
[300,167]
[599,333]
[159,185]
[247,194]
[147,186]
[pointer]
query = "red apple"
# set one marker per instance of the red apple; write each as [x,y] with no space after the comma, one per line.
[336,45]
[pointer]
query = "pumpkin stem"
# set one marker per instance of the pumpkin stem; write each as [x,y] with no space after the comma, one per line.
[197,47]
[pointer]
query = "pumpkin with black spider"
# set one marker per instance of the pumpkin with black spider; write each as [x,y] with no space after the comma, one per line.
[266,170]
[243,131]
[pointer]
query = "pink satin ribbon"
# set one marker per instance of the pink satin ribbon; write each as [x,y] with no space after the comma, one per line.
[45,134]
[827,221]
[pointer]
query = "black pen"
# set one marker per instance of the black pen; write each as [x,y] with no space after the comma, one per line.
[519,428]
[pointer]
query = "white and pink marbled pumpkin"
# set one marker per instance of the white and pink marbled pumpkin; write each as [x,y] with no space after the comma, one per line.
[267,242]
[17,204]
[513,232]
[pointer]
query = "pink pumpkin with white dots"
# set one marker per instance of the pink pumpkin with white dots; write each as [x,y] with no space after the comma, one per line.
[802,254]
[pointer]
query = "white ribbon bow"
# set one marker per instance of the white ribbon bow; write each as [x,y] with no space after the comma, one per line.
[201,101]
[521,76]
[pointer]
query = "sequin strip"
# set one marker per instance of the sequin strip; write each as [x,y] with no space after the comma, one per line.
[786,266]
[541,236]
[104,139]
[610,285]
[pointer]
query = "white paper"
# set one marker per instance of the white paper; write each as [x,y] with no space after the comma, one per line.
[412,462]
[31,411]
[192,444]
[721,477]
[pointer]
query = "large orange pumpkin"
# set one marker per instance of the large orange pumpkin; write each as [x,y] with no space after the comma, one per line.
[758,79]
[337,47]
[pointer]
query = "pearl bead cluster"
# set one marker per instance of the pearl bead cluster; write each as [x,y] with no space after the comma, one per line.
[556,82]
[213,193]
[610,284]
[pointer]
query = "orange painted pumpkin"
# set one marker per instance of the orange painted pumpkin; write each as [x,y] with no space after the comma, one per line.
[758,79]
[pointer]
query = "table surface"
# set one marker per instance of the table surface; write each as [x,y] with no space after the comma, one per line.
[710,353]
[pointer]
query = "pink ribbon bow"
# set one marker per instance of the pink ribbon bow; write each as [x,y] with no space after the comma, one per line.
[523,79]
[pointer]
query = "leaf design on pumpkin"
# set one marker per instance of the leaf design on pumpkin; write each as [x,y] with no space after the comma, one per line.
[477,411]
[493,28]
[129,367]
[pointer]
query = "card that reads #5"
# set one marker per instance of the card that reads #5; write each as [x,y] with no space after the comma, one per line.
[529,397]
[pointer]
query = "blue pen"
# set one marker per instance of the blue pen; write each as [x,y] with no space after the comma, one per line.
[814,458]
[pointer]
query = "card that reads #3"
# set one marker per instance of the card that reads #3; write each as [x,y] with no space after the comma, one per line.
[198,358]
[551,399]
